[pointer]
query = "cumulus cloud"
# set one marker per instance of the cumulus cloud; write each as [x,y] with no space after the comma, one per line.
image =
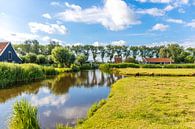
[175,2]
[178,21]
[49,100]
[119,43]
[155,1]
[48,39]
[152,11]
[114,15]
[55,3]
[160,27]
[47,16]
[191,24]
[16,36]
[47,28]
[171,4]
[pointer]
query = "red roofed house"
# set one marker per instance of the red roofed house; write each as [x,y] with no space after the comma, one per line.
[157,60]
[8,54]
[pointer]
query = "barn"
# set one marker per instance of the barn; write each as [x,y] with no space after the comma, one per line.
[157,61]
[8,54]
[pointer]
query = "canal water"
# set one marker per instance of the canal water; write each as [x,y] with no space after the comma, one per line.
[61,99]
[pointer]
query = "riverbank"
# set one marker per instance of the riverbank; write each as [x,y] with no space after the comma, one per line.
[11,73]
[154,72]
[147,102]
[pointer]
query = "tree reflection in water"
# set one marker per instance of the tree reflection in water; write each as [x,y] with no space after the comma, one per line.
[65,97]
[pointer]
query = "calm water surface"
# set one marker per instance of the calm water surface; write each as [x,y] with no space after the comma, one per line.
[61,99]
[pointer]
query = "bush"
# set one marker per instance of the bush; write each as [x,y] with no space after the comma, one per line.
[31,58]
[24,116]
[89,66]
[107,67]
[41,59]
[74,67]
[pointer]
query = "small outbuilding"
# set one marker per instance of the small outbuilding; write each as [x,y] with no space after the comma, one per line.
[117,59]
[157,61]
[8,54]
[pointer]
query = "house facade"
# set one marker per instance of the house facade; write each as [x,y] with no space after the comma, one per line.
[157,61]
[8,54]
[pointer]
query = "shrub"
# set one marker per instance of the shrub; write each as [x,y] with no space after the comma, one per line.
[24,116]
[74,67]
[31,58]
[41,59]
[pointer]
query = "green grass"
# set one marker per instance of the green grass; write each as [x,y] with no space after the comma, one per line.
[147,103]
[11,73]
[24,116]
[108,66]
[155,72]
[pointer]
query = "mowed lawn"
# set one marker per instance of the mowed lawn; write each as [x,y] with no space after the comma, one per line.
[156,72]
[147,103]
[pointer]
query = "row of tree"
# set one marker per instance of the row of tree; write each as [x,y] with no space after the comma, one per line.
[106,53]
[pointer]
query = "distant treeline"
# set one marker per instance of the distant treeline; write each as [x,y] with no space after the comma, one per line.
[32,48]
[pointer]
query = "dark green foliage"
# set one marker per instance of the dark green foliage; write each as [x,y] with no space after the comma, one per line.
[75,67]
[41,59]
[24,116]
[63,56]
[81,59]
[31,58]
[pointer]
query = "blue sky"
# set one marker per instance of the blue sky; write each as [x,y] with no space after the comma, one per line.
[130,22]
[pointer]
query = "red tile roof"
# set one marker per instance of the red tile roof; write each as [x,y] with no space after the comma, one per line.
[158,60]
[3,46]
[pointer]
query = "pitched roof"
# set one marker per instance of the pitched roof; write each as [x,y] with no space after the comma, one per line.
[3,45]
[158,60]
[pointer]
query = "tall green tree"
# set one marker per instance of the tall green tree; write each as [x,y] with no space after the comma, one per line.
[63,56]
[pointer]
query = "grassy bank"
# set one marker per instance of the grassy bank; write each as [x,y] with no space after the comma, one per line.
[15,73]
[147,103]
[108,66]
[155,72]
[11,73]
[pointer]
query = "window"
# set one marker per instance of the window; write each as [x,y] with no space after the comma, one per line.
[9,55]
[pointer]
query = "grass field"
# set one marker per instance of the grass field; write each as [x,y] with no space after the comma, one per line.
[155,72]
[147,103]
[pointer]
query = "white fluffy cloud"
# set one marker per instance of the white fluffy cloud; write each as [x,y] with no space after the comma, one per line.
[191,24]
[47,15]
[160,27]
[47,39]
[114,15]
[47,28]
[16,36]
[151,11]
[178,21]
[119,43]
[154,1]
[175,2]
[55,3]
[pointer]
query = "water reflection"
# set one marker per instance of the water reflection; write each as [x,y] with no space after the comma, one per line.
[62,99]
